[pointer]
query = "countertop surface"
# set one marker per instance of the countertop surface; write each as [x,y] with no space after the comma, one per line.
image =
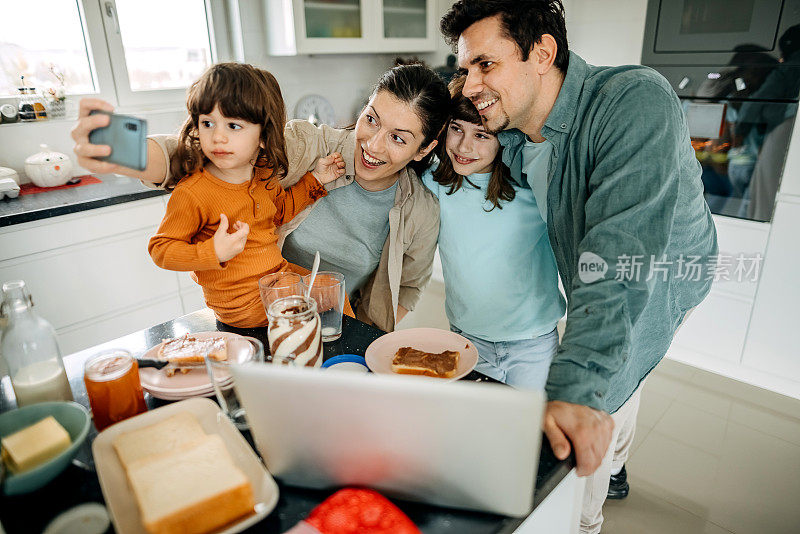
[78,484]
[114,189]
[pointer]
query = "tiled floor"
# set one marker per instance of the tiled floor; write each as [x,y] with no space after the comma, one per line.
[711,455]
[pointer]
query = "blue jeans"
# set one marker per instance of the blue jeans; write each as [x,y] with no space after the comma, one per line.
[523,364]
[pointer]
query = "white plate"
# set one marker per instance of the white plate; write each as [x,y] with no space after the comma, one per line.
[194,381]
[120,499]
[381,352]
[185,392]
[167,397]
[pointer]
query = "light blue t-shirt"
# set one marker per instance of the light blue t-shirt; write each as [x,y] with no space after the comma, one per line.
[349,228]
[535,160]
[501,280]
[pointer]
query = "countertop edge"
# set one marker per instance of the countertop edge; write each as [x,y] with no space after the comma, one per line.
[55,211]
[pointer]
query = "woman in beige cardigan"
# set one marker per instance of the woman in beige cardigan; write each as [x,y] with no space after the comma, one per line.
[380,199]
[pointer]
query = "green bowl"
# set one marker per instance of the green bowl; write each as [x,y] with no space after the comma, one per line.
[72,416]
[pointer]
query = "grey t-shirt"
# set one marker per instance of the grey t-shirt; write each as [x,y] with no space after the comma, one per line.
[349,228]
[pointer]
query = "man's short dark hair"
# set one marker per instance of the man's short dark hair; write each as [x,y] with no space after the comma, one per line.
[524,21]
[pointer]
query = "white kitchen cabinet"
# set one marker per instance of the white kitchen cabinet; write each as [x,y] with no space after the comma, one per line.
[717,327]
[74,339]
[790,180]
[191,293]
[90,274]
[350,26]
[773,341]
[747,331]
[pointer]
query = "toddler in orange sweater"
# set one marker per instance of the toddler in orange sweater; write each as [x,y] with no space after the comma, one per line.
[222,215]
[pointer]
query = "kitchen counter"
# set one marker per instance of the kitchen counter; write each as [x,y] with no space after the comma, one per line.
[78,483]
[114,189]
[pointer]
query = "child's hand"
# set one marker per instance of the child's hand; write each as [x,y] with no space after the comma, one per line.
[329,168]
[227,246]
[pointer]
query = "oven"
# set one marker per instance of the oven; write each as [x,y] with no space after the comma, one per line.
[735,64]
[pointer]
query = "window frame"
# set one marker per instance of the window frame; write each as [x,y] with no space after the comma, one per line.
[107,65]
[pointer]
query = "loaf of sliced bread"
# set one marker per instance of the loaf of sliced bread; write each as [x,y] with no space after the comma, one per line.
[163,437]
[195,488]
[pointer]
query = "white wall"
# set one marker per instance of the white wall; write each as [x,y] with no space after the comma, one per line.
[606,32]
[346,80]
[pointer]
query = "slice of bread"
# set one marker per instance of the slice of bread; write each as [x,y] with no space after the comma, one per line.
[416,362]
[191,349]
[163,437]
[195,489]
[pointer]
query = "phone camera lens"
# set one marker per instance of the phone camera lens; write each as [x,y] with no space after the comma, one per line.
[131,126]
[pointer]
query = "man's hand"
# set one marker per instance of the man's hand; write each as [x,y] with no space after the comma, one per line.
[227,246]
[588,430]
[329,168]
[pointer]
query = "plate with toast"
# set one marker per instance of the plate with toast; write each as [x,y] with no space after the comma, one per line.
[183,467]
[432,352]
[186,374]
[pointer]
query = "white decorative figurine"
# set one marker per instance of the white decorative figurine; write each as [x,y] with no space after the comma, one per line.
[48,169]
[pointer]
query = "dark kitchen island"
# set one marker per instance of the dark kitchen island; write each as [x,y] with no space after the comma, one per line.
[78,484]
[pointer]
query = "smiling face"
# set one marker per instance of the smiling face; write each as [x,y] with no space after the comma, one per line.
[470,147]
[388,137]
[231,144]
[502,87]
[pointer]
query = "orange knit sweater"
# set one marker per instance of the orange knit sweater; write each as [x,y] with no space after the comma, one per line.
[184,238]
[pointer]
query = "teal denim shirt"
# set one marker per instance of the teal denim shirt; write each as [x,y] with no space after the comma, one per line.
[623,189]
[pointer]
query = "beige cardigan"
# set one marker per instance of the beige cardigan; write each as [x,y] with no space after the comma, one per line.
[407,257]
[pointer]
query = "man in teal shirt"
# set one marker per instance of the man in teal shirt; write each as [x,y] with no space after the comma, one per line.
[624,207]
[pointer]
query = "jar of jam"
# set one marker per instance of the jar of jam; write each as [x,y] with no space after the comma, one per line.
[112,382]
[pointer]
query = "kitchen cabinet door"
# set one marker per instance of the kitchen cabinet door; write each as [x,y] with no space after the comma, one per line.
[350,26]
[407,26]
[317,26]
[772,341]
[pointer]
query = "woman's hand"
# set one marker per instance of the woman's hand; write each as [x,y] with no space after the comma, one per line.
[227,246]
[329,168]
[86,151]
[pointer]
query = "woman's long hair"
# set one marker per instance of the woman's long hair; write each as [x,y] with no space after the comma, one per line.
[499,188]
[242,92]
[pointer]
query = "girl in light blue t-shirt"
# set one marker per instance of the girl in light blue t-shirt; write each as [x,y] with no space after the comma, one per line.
[501,280]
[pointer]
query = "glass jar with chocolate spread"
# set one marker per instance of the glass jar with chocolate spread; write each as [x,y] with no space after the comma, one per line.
[295,332]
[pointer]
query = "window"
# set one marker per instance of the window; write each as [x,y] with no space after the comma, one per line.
[152,56]
[132,53]
[55,41]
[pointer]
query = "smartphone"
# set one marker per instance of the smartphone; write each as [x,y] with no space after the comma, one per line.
[127,137]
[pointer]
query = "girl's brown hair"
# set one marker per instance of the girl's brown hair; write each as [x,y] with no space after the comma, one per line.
[462,109]
[242,92]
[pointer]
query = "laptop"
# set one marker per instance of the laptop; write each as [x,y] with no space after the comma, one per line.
[458,444]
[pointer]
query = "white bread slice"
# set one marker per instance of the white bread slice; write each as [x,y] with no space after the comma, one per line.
[163,437]
[191,349]
[195,489]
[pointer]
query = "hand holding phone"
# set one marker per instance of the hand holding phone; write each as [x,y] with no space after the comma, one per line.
[127,137]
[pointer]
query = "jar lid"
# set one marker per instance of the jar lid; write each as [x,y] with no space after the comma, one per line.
[45,157]
[108,365]
[347,362]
